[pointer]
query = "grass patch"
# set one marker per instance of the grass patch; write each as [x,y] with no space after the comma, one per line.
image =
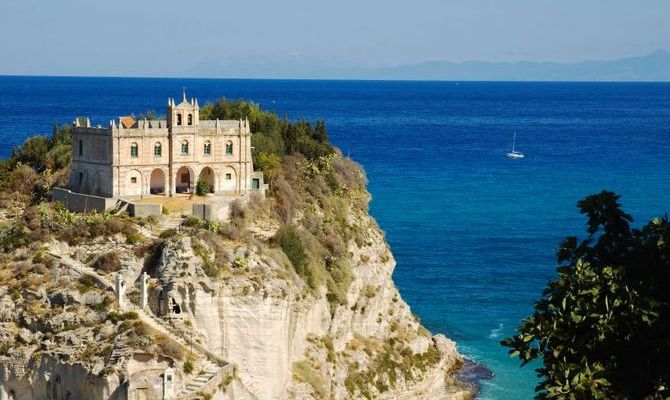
[303,372]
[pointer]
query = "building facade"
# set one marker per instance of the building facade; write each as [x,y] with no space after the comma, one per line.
[131,158]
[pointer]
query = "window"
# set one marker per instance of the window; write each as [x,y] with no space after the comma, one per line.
[81,177]
[190,119]
[229,176]
[207,150]
[157,149]
[133,150]
[178,119]
[184,147]
[133,179]
[229,148]
[81,148]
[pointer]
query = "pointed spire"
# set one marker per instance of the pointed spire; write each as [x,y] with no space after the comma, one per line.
[196,103]
[88,122]
[112,124]
[183,94]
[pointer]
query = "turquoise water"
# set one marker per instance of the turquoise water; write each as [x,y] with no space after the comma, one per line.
[474,233]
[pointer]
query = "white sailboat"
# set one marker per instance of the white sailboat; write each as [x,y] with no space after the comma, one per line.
[514,153]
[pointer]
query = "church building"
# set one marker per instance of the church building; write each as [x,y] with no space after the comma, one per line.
[136,157]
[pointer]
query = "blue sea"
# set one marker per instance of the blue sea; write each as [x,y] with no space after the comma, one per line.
[473,232]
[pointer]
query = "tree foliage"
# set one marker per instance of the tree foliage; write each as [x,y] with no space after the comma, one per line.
[602,329]
[36,166]
[273,135]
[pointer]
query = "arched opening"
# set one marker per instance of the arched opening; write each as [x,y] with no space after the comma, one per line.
[157,182]
[184,147]
[158,149]
[183,178]
[207,175]
[134,151]
[178,119]
[190,119]
[229,183]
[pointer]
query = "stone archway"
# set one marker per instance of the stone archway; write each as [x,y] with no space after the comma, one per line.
[157,182]
[183,180]
[207,174]
[229,180]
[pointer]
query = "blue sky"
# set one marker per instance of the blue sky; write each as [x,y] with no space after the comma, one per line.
[173,38]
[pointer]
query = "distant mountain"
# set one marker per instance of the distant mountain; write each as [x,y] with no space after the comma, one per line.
[652,67]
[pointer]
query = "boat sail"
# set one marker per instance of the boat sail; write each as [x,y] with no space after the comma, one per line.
[514,153]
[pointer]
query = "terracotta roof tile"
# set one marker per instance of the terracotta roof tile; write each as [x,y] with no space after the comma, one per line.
[127,121]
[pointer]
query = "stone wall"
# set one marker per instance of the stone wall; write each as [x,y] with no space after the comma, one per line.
[82,202]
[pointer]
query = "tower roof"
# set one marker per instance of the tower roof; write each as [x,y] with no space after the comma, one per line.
[185,104]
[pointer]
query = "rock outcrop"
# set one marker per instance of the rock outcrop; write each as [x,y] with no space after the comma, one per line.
[292,298]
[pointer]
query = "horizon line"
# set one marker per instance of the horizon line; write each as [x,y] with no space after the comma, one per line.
[327,79]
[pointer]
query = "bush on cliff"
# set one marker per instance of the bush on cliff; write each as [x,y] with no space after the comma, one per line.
[34,168]
[601,329]
[272,135]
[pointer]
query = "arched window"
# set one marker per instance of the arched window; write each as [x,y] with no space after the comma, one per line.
[81,148]
[178,119]
[158,150]
[184,147]
[133,150]
[229,148]
[190,119]
[207,149]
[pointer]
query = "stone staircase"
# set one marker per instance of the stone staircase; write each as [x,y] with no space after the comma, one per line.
[207,371]
[213,369]
[170,222]
[119,351]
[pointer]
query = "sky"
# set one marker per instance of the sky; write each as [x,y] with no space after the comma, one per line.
[201,37]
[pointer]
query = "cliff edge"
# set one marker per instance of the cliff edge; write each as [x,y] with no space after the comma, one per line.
[291,298]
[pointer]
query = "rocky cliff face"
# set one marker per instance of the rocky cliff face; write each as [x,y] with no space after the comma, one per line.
[292,298]
[289,342]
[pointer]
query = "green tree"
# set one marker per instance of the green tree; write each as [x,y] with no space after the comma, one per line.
[602,329]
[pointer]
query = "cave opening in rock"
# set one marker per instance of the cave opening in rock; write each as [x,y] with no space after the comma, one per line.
[175,307]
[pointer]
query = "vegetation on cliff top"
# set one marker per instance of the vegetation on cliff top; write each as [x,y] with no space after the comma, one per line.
[601,329]
[314,193]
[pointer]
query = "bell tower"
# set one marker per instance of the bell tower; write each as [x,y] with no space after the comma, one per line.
[184,116]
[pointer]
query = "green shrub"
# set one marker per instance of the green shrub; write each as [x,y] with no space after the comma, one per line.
[134,238]
[108,262]
[14,237]
[192,222]
[86,283]
[168,233]
[188,367]
[291,244]
[202,188]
